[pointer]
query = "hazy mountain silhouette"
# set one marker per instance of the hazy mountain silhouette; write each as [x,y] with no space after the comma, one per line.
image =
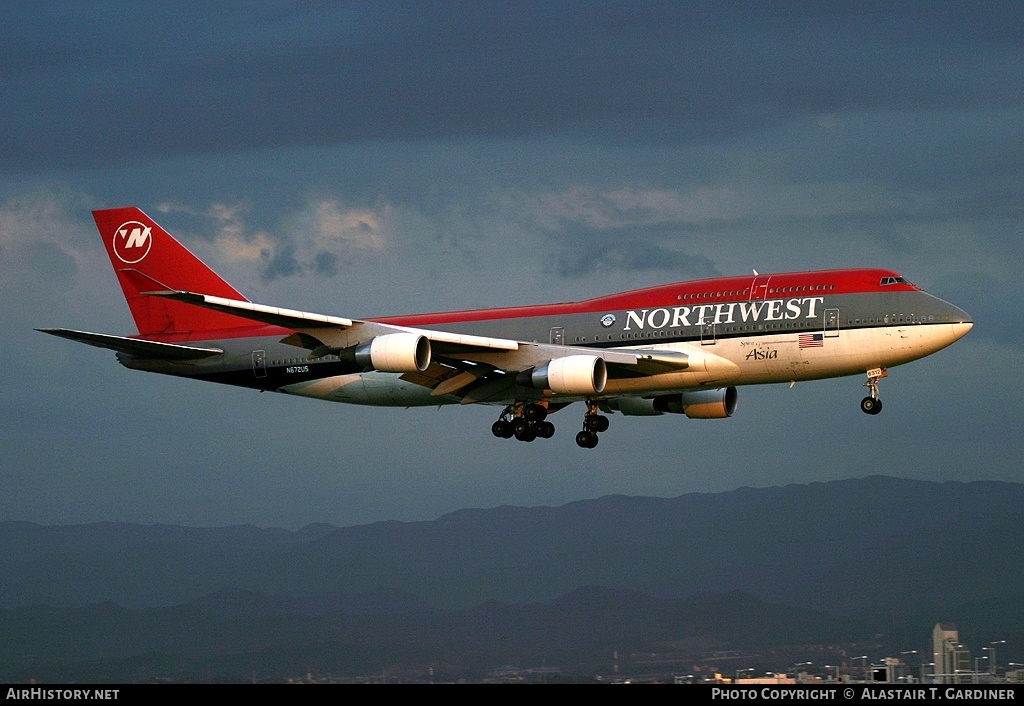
[831,546]
[754,569]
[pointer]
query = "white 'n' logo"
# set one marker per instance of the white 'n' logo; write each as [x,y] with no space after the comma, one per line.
[138,237]
[132,241]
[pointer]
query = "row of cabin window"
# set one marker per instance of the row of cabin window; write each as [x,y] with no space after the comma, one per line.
[893,319]
[303,361]
[772,290]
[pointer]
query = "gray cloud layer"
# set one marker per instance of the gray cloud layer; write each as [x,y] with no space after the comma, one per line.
[95,84]
[365,159]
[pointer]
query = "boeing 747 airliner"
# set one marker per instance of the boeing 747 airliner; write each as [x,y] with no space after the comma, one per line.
[678,348]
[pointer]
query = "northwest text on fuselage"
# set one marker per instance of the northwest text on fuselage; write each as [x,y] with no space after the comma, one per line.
[725,313]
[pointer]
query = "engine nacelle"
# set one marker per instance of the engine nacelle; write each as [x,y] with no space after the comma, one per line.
[571,375]
[395,353]
[635,406]
[701,404]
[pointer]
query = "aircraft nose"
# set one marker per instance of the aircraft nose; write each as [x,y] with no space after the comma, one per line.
[960,330]
[962,322]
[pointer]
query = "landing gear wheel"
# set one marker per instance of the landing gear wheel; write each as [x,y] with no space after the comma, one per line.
[535,412]
[586,439]
[502,429]
[545,430]
[527,434]
[871,405]
[520,427]
[595,422]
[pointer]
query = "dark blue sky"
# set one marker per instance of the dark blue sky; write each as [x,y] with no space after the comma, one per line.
[365,159]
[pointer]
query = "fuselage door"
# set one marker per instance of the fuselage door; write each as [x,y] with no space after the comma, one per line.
[259,363]
[707,332]
[831,323]
[557,335]
[759,287]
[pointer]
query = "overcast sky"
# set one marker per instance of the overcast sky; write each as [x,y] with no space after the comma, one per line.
[364,159]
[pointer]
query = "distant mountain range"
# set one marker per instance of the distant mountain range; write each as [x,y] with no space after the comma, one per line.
[869,561]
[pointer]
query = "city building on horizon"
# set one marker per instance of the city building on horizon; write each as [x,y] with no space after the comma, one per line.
[952,659]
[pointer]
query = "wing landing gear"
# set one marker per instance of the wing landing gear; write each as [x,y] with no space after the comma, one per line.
[502,428]
[872,404]
[593,424]
[525,422]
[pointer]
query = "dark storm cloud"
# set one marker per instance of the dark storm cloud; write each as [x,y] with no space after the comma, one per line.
[95,84]
[583,251]
[325,264]
[575,149]
[281,263]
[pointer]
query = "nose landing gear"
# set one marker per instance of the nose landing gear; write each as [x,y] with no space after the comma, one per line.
[872,404]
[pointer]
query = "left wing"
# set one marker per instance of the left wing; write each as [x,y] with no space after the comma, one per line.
[475,367]
[332,331]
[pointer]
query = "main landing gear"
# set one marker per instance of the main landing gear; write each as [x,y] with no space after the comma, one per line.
[872,404]
[526,422]
[593,424]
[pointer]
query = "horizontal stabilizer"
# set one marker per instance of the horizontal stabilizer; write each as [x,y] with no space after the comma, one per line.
[134,346]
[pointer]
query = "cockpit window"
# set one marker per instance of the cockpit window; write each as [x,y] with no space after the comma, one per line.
[893,280]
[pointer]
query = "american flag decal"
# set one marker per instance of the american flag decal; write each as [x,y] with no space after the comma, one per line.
[812,340]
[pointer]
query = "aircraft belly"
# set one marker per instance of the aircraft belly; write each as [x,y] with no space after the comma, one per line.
[864,348]
[378,389]
[852,351]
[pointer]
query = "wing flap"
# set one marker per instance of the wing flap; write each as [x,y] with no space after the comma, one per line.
[463,379]
[652,362]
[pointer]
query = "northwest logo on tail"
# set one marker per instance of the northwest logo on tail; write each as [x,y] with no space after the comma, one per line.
[132,241]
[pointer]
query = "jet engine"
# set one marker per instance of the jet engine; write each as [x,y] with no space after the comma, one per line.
[395,353]
[700,404]
[571,375]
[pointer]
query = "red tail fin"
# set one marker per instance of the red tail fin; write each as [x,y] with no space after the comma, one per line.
[147,258]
